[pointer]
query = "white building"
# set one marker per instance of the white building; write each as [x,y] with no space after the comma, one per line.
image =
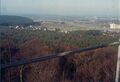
[114,26]
[66,32]
[17,27]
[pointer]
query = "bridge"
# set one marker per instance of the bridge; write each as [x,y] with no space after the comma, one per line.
[66,53]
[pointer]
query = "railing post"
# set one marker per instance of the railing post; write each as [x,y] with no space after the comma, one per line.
[118,66]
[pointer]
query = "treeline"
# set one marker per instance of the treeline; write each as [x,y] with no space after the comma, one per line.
[76,38]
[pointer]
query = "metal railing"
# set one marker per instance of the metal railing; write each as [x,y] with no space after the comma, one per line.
[51,56]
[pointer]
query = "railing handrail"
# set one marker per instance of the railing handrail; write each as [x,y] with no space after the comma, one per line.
[54,55]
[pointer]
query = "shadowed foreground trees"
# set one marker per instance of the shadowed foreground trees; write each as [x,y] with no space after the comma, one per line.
[93,66]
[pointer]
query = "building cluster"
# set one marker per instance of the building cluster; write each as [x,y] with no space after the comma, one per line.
[41,28]
[111,33]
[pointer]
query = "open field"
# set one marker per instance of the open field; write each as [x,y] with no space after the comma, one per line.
[72,26]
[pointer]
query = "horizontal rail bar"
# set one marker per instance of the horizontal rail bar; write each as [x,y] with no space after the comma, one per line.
[51,56]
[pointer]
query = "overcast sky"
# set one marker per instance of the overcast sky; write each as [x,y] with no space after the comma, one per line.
[61,7]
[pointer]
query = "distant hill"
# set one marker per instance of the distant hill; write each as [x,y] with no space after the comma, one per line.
[6,20]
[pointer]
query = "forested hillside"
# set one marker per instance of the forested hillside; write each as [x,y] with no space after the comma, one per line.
[7,20]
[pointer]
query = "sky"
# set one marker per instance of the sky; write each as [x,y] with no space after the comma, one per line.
[61,7]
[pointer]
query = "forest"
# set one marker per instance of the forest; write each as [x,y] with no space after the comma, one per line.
[8,20]
[92,66]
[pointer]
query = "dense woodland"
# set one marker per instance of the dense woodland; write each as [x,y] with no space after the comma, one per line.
[93,66]
[8,20]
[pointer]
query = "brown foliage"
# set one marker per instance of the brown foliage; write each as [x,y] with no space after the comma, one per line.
[93,66]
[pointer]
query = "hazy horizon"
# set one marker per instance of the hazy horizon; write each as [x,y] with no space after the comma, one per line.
[61,7]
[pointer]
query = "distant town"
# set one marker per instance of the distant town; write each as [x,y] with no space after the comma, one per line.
[68,24]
